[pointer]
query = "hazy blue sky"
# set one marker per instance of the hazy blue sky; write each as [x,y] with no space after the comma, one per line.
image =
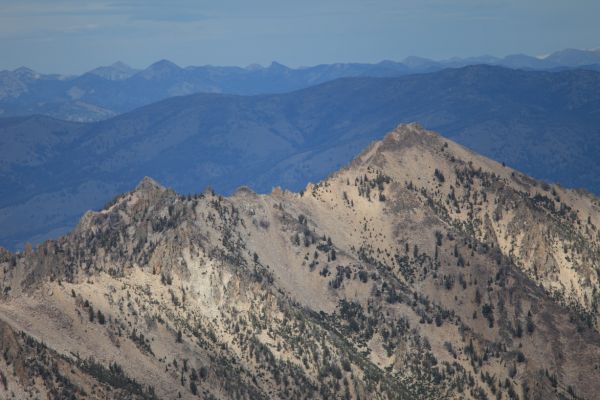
[72,36]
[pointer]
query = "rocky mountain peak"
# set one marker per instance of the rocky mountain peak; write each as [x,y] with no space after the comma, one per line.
[115,72]
[26,74]
[160,69]
[410,132]
[148,185]
[421,270]
[275,66]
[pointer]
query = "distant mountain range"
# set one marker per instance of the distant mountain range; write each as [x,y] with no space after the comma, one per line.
[108,91]
[544,123]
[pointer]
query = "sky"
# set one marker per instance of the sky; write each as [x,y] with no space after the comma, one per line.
[73,36]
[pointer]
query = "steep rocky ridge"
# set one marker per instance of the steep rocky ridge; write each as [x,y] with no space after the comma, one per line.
[420,270]
[51,172]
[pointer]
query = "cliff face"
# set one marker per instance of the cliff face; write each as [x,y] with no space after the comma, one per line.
[421,270]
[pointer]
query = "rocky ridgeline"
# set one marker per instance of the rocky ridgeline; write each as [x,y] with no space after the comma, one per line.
[421,270]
